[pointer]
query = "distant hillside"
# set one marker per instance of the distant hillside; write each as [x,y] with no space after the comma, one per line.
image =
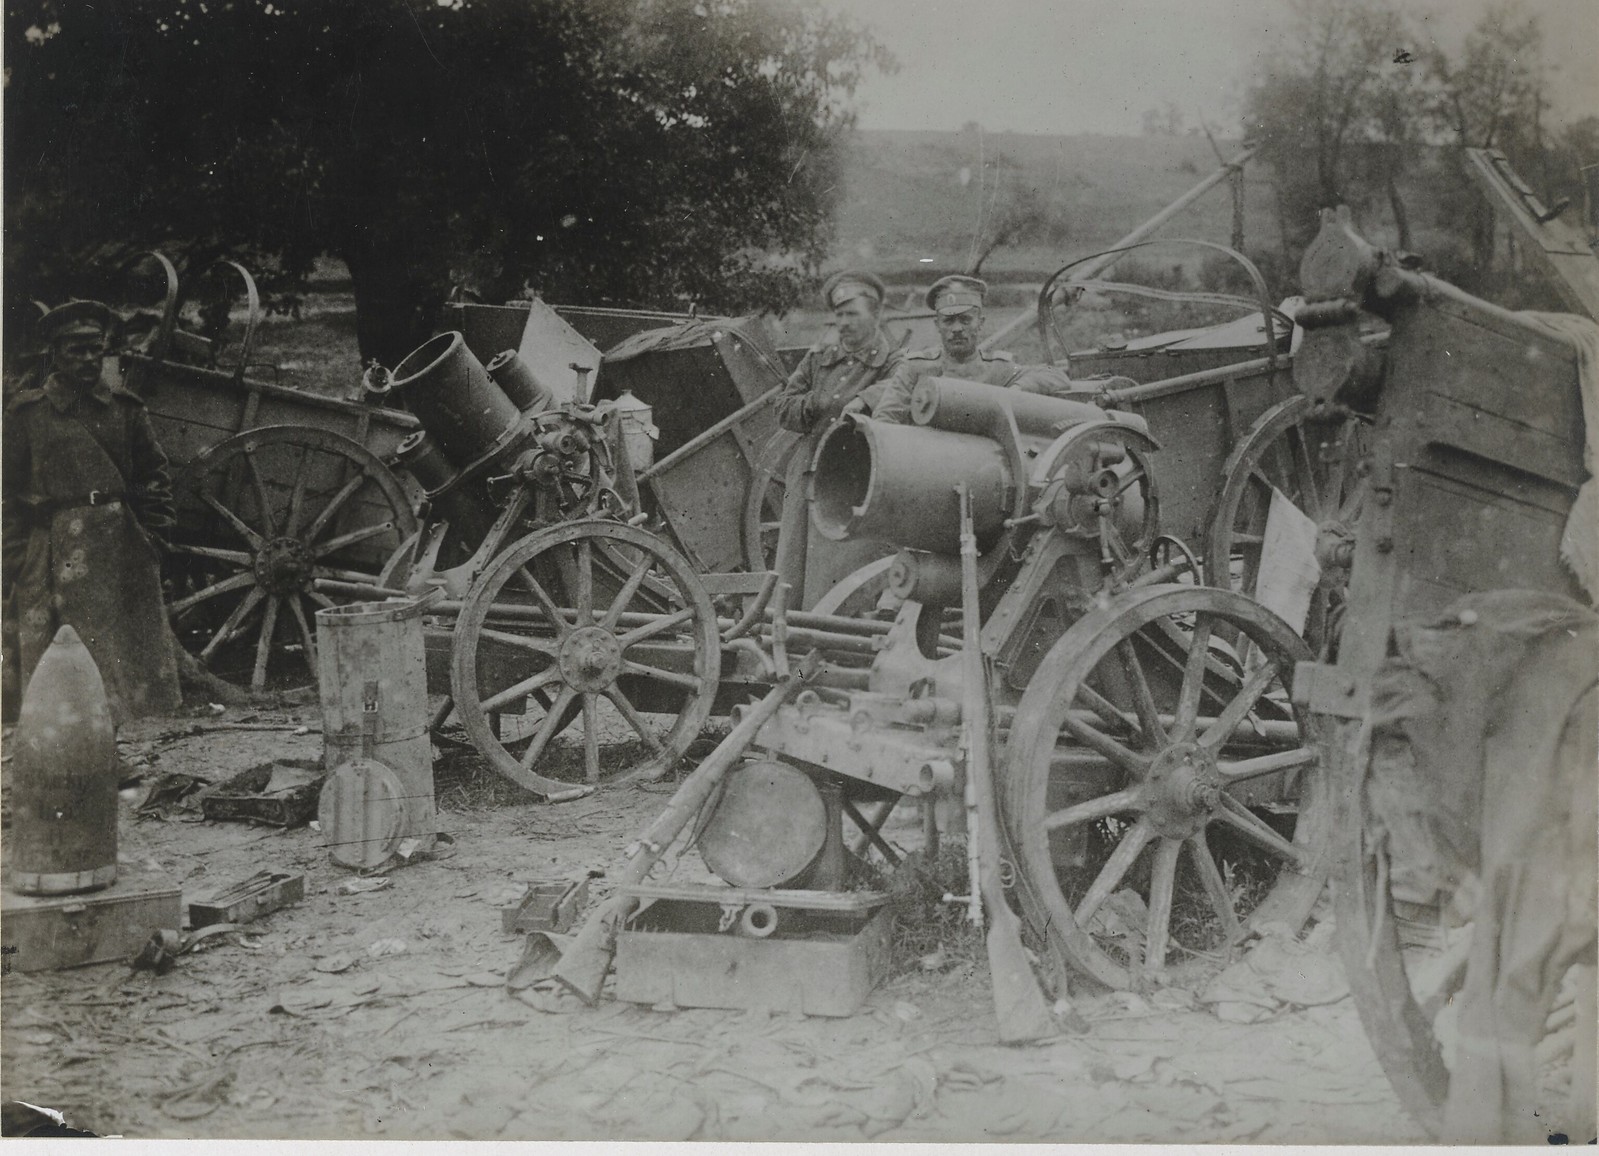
[910,195]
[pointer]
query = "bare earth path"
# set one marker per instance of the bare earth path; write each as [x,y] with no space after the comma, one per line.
[247,1038]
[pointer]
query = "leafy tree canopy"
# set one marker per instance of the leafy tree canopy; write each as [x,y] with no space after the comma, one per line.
[632,152]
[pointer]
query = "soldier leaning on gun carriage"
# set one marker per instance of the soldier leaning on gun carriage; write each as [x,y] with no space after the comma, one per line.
[958,302]
[86,498]
[832,378]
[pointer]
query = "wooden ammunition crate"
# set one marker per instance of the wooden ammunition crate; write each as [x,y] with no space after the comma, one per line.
[822,960]
[247,901]
[49,932]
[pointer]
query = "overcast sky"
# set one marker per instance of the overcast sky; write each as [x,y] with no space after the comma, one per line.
[1075,66]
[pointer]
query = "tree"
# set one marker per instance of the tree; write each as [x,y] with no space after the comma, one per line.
[634,152]
[1017,215]
[1335,113]
[1492,97]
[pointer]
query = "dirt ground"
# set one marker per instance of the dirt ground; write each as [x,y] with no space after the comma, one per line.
[384,1015]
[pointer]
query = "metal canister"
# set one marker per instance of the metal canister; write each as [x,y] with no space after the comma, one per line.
[372,674]
[638,431]
[64,776]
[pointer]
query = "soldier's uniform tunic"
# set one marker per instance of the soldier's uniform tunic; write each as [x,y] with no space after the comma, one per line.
[829,375]
[85,496]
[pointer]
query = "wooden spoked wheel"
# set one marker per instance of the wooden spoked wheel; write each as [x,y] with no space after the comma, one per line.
[1314,463]
[591,621]
[1162,799]
[1413,978]
[262,516]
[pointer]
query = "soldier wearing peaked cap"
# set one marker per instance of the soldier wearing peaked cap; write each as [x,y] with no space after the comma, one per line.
[845,375]
[84,502]
[957,301]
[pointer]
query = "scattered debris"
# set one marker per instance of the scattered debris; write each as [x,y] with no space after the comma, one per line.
[384,947]
[282,793]
[364,886]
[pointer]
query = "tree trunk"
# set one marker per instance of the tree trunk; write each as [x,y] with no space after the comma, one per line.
[397,300]
[1396,205]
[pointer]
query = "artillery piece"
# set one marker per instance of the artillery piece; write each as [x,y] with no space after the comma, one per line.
[1134,713]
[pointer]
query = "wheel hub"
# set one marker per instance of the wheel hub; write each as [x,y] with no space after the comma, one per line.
[283,566]
[1184,788]
[590,658]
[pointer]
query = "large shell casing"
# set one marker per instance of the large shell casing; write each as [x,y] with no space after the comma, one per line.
[64,776]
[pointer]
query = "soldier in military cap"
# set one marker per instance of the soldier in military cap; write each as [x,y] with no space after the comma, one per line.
[85,503]
[958,300]
[833,378]
[833,375]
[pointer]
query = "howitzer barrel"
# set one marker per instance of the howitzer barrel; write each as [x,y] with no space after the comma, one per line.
[896,484]
[459,404]
[971,407]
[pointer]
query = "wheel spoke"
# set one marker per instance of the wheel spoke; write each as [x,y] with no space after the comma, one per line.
[307,635]
[686,681]
[1129,799]
[660,626]
[1266,764]
[321,599]
[252,598]
[1252,827]
[320,522]
[1108,711]
[521,689]
[1135,476]
[591,738]
[613,613]
[553,612]
[1143,697]
[323,549]
[537,645]
[1193,679]
[238,523]
[585,591]
[1215,887]
[1238,709]
[552,723]
[233,583]
[259,484]
[1127,759]
[628,711]
[1115,868]
[302,476]
[263,647]
[1309,496]
[233,557]
[1162,886]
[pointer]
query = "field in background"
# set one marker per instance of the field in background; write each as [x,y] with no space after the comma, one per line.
[910,208]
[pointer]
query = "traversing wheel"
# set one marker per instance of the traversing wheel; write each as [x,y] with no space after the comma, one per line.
[263,516]
[1314,463]
[594,621]
[1163,797]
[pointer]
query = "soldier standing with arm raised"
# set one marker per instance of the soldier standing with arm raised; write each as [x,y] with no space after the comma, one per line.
[86,502]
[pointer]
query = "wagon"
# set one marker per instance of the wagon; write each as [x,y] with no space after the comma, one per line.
[1473,458]
[275,487]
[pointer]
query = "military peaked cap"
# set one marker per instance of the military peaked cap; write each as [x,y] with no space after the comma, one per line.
[850,284]
[76,317]
[956,294]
